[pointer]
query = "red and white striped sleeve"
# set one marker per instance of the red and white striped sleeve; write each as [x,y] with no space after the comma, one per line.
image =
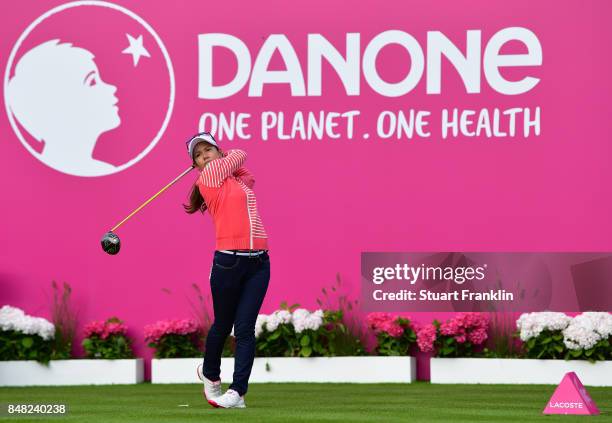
[245,176]
[216,171]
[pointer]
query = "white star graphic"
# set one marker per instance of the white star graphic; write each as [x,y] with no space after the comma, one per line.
[136,49]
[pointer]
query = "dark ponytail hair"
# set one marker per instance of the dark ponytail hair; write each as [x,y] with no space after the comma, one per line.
[196,201]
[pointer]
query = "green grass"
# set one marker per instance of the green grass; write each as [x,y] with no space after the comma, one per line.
[299,402]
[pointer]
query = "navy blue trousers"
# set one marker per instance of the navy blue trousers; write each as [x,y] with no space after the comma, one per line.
[238,285]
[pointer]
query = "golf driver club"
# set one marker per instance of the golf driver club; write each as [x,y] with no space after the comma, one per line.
[110,241]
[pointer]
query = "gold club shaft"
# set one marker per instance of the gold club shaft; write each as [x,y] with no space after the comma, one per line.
[152,198]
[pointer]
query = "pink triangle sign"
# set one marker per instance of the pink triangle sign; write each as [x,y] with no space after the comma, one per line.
[571,397]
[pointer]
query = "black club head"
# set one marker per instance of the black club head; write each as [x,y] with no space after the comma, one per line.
[111,243]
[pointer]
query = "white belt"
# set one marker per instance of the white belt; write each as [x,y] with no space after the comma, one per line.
[244,253]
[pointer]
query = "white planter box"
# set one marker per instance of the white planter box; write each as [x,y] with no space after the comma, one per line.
[71,372]
[518,371]
[293,369]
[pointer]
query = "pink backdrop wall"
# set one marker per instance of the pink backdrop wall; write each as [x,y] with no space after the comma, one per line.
[322,202]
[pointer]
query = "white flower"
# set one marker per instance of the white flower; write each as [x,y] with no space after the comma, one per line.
[39,326]
[259,324]
[316,320]
[318,314]
[276,319]
[299,319]
[532,324]
[586,329]
[602,322]
[283,315]
[9,316]
[302,319]
[273,322]
[12,318]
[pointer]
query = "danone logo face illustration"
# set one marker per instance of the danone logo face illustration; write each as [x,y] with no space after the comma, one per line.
[89,88]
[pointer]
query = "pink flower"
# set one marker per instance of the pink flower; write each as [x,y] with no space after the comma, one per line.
[105,329]
[426,336]
[478,336]
[94,328]
[377,320]
[392,328]
[116,328]
[450,327]
[183,327]
[467,326]
[153,333]
[104,333]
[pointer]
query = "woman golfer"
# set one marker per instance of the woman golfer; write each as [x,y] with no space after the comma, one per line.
[241,267]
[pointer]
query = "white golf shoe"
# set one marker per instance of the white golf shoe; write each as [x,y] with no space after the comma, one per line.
[211,389]
[230,399]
